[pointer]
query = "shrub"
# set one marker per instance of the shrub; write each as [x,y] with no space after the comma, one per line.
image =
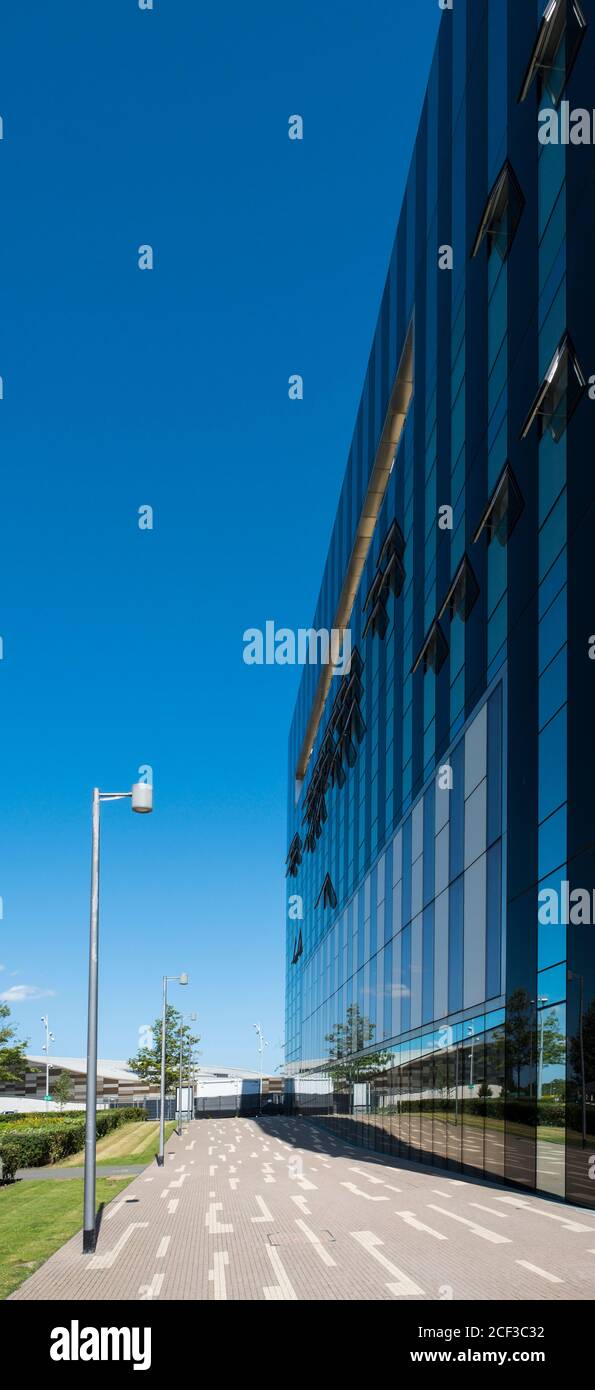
[10,1160]
[37,1144]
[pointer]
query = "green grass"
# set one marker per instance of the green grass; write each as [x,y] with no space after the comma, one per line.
[36,1218]
[132,1143]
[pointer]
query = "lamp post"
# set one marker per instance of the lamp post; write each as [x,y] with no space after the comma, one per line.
[182,980]
[49,1038]
[261,1046]
[192,1019]
[141,797]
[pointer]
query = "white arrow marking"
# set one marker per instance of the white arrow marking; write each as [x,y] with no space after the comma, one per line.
[316,1242]
[403,1286]
[473,1226]
[283,1290]
[411,1220]
[357,1191]
[151,1290]
[106,1261]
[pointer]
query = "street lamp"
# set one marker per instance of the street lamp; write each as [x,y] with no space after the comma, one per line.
[261,1046]
[141,797]
[182,980]
[49,1038]
[192,1019]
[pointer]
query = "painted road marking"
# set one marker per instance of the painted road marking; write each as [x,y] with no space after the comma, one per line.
[302,1204]
[162,1247]
[178,1182]
[233,1183]
[476,1230]
[172,1206]
[411,1220]
[543,1273]
[190,1146]
[106,1261]
[403,1286]
[316,1242]
[216,1227]
[537,1211]
[217,1274]
[151,1290]
[367,1176]
[283,1290]
[351,1187]
[265,1213]
[502,1215]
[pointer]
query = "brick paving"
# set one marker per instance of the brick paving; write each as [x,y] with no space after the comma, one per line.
[281,1210]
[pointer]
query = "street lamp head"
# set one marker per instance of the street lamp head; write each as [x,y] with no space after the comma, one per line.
[183,979]
[142,797]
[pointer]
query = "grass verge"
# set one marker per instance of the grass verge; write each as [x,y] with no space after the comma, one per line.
[36,1218]
[133,1143]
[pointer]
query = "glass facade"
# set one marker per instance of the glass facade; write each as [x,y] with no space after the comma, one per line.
[440,789]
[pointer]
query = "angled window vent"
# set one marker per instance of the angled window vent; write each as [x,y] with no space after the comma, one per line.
[294,857]
[393,544]
[298,949]
[462,594]
[559,38]
[356,663]
[327,893]
[377,620]
[503,510]
[389,577]
[502,214]
[434,651]
[559,394]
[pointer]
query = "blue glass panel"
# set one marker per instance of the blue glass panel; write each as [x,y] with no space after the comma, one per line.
[551,985]
[553,687]
[405,979]
[494,921]
[406,898]
[427,1002]
[552,765]
[429,855]
[494,817]
[457,811]
[552,843]
[455,945]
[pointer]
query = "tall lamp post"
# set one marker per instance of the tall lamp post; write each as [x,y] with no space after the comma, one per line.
[262,1043]
[191,1018]
[141,797]
[49,1038]
[182,980]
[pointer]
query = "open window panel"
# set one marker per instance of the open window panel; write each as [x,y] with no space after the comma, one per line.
[503,510]
[502,214]
[327,894]
[393,544]
[559,394]
[559,38]
[298,948]
[434,651]
[377,620]
[294,857]
[374,591]
[462,594]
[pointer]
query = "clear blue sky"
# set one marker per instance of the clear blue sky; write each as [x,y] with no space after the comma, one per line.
[124,647]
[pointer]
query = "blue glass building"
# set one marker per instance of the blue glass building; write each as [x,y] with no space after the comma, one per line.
[443,784]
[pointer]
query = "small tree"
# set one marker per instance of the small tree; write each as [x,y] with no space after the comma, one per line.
[13,1063]
[61,1089]
[147,1063]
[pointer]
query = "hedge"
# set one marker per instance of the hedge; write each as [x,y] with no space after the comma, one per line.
[36,1145]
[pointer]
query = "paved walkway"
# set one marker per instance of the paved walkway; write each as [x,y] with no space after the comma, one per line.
[104,1170]
[280,1210]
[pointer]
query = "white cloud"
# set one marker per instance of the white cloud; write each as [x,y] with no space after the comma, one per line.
[21,994]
